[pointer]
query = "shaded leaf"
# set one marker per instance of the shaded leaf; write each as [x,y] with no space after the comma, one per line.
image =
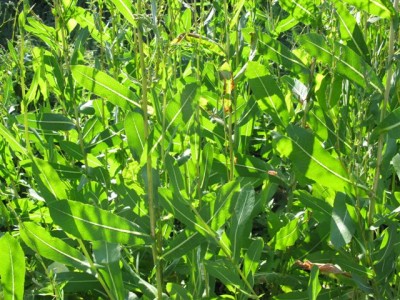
[314,287]
[342,225]
[11,140]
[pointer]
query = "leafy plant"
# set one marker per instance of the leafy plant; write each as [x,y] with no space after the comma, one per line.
[224,149]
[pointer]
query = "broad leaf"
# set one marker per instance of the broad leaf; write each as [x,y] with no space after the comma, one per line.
[267,93]
[239,231]
[311,161]
[280,54]
[134,129]
[94,224]
[224,271]
[48,121]
[381,8]
[303,10]
[11,140]
[389,125]
[184,242]
[108,256]
[345,61]
[126,9]
[39,240]
[12,268]
[314,287]
[286,236]
[342,225]
[105,86]
[252,259]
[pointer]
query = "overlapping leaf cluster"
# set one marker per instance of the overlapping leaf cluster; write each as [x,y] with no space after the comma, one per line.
[260,134]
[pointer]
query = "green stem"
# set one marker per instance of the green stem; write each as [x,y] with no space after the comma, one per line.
[150,191]
[382,136]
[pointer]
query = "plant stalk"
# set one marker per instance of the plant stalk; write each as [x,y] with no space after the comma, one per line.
[382,136]
[150,191]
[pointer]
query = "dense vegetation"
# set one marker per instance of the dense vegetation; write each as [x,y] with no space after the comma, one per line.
[200,150]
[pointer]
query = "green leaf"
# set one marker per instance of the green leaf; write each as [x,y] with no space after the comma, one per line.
[125,8]
[94,224]
[11,140]
[50,184]
[182,210]
[345,60]
[105,86]
[12,268]
[380,8]
[184,242]
[311,161]
[396,164]
[342,225]
[314,287]
[286,236]
[224,271]
[108,256]
[48,121]
[280,54]
[267,93]
[350,31]
[239,231]
[303,10]
[389,125]
[85,19]
[206,165]
[221,207]
[252,259]
[134,129]
[39,240]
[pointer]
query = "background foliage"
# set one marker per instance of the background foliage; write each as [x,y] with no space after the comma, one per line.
[187,150]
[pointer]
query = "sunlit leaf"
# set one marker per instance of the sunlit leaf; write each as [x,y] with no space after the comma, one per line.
[311,161]
[126,9]
[39,240]
[12,268]
[48,121]
[381,8]
[302,10]
[12,141]
[267,93]
[314,287]
[286,236]
[134,129]
[94,224]
[345,61]
[241,223]
[279,53]
[105,86]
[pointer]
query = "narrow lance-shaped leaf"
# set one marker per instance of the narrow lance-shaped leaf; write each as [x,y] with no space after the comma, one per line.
[108,256]
[50,184]
[279,53]
[311,161]
[39,240]
[380,8]
[267,93]
[206,164]
[350,31]
[241,223]
[314,287]
[134,129]
[48,121]
[11,140]
[105,86]
[252,259]
[94,224]
[125,8]
[342,225]
[345,61]
[12,268]
[302,10]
